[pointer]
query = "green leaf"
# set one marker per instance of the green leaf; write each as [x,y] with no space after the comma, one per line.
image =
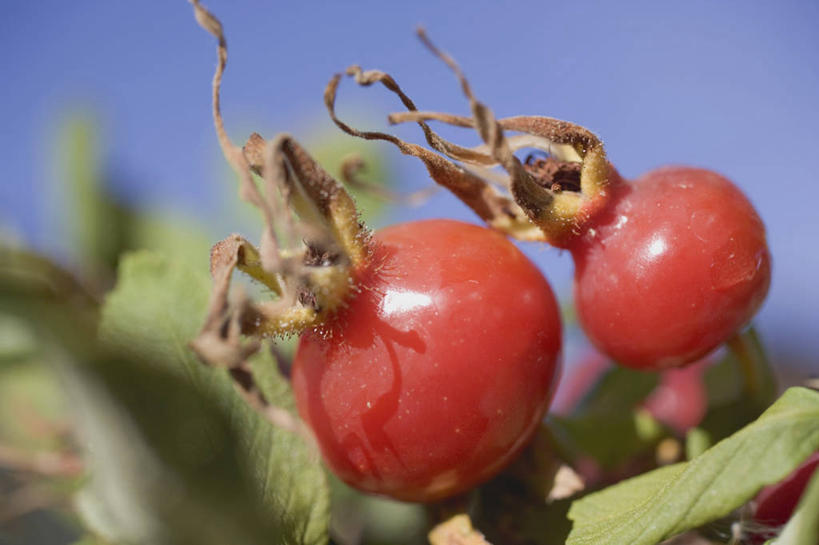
[668,501]
[170,234]
[156,308]
[162,459]
[607,424]
[619,390]
[17,342]
[169,462]
[697,441]
[803,527]
[31,402]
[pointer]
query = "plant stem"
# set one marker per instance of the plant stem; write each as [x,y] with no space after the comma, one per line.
[739,347]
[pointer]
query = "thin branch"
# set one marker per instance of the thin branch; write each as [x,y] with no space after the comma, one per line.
[51,464]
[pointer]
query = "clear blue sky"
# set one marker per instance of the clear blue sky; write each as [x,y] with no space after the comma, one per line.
[732,86]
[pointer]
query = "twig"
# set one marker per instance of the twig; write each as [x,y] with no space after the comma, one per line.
[52,464]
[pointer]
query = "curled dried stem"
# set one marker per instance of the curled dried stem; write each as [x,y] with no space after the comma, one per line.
[558,215]
[494,208]
[248,190]
[538,209]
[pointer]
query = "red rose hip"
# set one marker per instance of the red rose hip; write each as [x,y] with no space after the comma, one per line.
[673,265]
[438,370]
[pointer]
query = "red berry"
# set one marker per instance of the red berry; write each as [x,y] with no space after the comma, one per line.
[438,371]
[673,266]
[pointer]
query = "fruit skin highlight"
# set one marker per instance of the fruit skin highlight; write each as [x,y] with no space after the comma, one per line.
[439,370]
[671,267]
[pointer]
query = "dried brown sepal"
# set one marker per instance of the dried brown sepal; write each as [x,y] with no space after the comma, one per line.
[308,263]
[247,259]
[556,214]
[495,209]
[312,192]
[288,314]
[456,531]
[220,342]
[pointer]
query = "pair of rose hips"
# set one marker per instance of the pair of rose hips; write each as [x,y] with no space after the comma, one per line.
[436,369]
[439,369]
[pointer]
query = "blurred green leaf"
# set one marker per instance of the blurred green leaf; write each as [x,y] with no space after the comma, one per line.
[618,390]
[31,405]
[97,224]
[156,308]
[673,499]
[803,527]
[171,235]
[90,540]
[17,342]
[101,226]
[162,461]
[171,460]
[371,520]
[607,423]
[331,149]
[697,441]
[739,387]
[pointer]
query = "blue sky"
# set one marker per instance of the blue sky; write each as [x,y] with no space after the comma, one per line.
[730,85]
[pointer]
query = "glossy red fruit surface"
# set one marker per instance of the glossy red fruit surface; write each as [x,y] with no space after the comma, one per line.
[438,371]
[670,269]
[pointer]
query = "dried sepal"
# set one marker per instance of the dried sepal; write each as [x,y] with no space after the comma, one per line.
[538,209]
[307,262]
[278,317]
[494,208]
[247,259]
[313,193]
[558,214]
[220,342]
